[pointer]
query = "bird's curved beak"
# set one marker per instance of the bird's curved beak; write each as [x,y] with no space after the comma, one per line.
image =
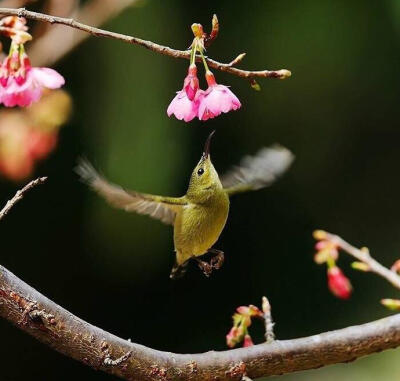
[206,151]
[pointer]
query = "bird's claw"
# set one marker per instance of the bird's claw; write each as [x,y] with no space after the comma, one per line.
[206,267]
[217,261]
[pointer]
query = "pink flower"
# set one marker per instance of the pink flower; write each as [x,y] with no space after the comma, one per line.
[21,84]
[182,107]
[338,283]
[186,102]
[216,99]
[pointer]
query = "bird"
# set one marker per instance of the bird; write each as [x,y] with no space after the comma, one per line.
[198,217]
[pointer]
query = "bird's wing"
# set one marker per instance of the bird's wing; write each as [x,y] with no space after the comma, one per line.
[259,171]
[159,207]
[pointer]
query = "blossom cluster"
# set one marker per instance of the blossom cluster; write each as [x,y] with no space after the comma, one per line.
[29,134]
[241,321]
[20,83]
[191,101]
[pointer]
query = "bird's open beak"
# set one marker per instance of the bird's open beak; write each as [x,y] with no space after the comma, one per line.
[206,151]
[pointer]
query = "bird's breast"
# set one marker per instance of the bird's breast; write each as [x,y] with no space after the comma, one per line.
[198,226]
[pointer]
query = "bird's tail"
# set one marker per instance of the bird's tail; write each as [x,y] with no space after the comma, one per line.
[178,271]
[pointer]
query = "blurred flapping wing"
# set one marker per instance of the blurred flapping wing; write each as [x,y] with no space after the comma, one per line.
[158,207]
[259,171]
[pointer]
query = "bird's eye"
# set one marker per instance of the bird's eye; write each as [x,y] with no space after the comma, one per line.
[200,171]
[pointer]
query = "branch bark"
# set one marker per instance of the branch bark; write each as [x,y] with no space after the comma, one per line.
[46,321]
[165,50]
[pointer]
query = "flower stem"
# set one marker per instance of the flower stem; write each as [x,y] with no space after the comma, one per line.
[204,60]
[330,262]
[193,52]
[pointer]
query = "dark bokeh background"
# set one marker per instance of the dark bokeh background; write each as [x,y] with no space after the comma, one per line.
[338,113]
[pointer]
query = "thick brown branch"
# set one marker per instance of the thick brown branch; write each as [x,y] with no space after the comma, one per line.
[35,314]
[19,195]
[165,50]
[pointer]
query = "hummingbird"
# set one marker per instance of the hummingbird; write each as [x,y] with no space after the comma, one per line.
[200,215]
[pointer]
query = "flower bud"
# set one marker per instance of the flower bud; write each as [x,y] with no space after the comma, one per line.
[249,311]
[214,32]
[326,251]
[338,283]
[391,304]
[396,266]
[191,82]
[247,342]
[255,85]
[232,337]
[197,30]
[360,266]
[319,235]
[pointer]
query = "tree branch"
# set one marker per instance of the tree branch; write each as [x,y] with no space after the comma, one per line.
[268,322]
[46,321]
[20,194]
[56,42]
[165,50]
[363,256]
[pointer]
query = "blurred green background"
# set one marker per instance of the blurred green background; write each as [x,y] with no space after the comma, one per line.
[338,113]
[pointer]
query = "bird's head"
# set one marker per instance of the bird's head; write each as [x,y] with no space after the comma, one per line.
[204,180]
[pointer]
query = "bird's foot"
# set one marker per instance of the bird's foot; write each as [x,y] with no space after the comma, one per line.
[218,260]
[206,267]
[215,263]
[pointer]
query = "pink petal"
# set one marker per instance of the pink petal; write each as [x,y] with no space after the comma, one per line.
[47,77]
[20,95]
[182,107]
[217,99]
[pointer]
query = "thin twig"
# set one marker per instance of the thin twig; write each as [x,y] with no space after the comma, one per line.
[20,194]
[365,257]
[57,41]
[165,50]
[84,342]
[269,323]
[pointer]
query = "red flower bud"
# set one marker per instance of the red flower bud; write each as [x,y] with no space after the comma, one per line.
[338,283]
[191,82]
[232,338]
[247,342]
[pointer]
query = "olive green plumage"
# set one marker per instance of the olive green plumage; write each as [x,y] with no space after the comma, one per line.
[200,215]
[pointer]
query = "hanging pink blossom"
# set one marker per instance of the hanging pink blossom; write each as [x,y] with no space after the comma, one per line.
[20,83]
[182,107]
[185,105]
[217,99]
